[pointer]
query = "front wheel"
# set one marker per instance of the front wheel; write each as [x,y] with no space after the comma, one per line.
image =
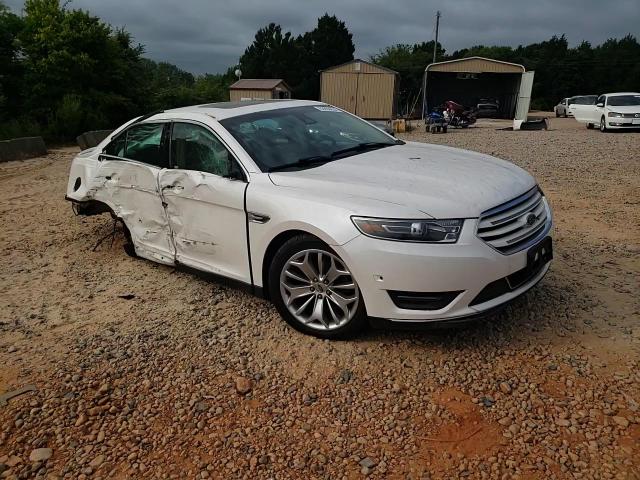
[603,125]
[314,291]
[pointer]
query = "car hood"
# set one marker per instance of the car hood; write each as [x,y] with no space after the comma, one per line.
[441,182]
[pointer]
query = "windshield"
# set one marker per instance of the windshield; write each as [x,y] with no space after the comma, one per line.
[281,137]
[624,101]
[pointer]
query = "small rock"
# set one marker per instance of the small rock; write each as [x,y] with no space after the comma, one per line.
[104,388]
[505,387]
[40,454]
[367,463]
[487,401]
[621,421]
[243,385]
[96,462]
[82,418]
[12,349]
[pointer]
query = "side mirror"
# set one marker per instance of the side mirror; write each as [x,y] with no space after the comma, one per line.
[600,105]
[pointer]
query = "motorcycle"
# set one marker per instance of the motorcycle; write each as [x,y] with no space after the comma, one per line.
[458,116]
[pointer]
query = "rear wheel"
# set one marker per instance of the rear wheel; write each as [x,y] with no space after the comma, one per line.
[314,291]
[589,126]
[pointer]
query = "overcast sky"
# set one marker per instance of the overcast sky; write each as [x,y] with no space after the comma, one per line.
[210,35]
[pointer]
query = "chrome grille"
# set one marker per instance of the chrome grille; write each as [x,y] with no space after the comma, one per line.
[515,225]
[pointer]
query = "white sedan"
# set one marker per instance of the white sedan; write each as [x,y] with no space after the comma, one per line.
[328,216]
[611,111]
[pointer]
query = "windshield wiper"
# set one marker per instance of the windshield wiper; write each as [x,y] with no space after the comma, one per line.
[362,147]
[316,160]
[303,162]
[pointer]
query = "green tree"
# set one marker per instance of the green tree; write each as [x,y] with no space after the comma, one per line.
[10,65]
[274,54]
[71,58]
[409,61]
[330,43]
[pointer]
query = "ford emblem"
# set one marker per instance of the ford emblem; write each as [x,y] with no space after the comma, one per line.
[530,219]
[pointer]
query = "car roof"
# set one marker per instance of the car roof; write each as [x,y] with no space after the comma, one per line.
[618,94]
[223,110]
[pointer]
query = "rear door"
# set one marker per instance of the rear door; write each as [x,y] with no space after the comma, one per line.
[203,195]
[587,113]
[129,170]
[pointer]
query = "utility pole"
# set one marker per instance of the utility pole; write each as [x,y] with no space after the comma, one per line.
[435,45]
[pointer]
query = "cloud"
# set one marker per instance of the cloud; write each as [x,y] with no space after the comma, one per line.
[209,36]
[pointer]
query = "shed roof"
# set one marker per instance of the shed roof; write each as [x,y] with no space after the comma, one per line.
[258,84]
[360,61]
[475,65]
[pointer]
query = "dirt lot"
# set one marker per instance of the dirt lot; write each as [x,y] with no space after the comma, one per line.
[145,372]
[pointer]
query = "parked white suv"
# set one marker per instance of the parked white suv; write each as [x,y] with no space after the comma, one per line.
[328,216]
[611,111]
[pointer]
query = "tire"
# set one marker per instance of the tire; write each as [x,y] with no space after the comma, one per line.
[444,129]
[589,126]
[128,246]
[327,320]
[557,114]
[565,114]
[603,125]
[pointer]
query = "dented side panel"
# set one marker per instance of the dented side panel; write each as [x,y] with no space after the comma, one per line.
[206,215]
[131,191]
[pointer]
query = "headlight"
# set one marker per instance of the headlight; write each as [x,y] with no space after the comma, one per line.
[616,115]
[431,231]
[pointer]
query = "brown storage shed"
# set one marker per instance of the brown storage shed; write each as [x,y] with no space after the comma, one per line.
[259,89]
[362,88]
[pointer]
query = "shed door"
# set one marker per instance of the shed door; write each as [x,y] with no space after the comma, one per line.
[375,96]
[524,96]
[339,89]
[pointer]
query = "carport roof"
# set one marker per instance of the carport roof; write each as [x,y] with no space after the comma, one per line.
[475,65]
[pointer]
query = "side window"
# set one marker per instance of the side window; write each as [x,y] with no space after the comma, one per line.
[144,144]
[196,148]
[116,146]
[601,99]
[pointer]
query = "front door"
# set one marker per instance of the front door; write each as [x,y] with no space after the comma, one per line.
[204,201]
[128,172]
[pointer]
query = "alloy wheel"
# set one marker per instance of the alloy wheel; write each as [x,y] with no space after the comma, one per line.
[318,289]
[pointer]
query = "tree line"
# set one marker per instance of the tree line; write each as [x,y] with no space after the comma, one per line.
[64,71]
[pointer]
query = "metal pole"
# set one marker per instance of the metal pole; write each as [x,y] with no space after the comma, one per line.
[435,44]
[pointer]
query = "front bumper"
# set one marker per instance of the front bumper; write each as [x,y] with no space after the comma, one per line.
[466,267]
[621,123]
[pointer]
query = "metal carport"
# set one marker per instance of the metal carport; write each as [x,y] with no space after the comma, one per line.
[468,80]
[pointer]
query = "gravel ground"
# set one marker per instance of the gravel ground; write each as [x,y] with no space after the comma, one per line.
[141,371]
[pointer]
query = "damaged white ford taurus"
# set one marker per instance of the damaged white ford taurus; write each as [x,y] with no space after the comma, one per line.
[331,218]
